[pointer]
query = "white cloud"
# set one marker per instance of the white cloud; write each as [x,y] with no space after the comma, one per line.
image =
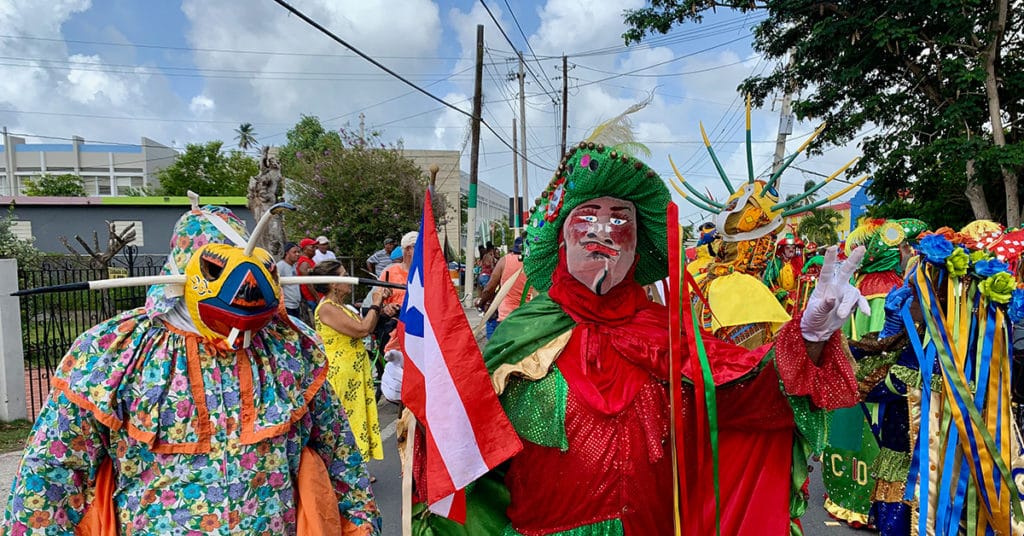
[311,74]
[201,105]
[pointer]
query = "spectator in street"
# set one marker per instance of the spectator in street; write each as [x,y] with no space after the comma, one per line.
[305,265]
[508,271]
[398,273]
[349,371]
[381,259]
[488,259]
[286,268]
[323,252]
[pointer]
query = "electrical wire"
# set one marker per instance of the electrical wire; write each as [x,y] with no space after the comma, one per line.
[342,42]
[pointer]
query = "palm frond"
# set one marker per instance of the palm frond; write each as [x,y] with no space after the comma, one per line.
[617,132]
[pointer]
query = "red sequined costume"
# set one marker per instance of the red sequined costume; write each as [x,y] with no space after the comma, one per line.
[616,467]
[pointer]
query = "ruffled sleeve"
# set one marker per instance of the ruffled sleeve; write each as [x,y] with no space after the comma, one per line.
[831,384]
[56,481]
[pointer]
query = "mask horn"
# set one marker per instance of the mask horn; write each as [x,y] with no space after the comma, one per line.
[261,226]
[703,199]
[328,279]
[100,284]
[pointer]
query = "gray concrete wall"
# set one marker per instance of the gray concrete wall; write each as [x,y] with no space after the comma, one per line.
[49,222]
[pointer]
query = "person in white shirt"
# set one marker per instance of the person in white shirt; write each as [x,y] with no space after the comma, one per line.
[322,252]
[286,268]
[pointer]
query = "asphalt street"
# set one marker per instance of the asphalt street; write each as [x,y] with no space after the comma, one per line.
[388,488]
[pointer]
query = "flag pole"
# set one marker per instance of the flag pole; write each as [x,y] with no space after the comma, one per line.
[408,421]
[674,297]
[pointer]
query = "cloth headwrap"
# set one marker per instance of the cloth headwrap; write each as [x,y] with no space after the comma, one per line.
[194,229]
[590,171]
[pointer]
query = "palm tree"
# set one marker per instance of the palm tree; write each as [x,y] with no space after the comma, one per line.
[246,136]
[807,200]
[820,226]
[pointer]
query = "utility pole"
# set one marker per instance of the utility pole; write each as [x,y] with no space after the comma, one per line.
[474,162]
[785,120]
[516,209]
[522,129]
[565,99]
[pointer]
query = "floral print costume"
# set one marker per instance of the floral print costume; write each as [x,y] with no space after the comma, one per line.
[151,428]
[349,375]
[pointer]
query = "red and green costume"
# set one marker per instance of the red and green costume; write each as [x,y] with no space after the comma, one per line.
[583,379]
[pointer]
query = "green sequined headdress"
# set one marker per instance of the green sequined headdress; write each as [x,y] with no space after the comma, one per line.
[587,172]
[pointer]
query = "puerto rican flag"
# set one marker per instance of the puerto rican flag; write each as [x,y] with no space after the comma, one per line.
[446,384]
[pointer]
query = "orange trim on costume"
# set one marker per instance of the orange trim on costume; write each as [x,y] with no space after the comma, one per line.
[100,518]
[249,434]
[219,344]
[198,387]
[107,419]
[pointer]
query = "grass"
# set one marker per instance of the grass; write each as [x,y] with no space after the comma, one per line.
[13,434]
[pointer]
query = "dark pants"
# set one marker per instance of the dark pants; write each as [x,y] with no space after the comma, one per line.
[293,312]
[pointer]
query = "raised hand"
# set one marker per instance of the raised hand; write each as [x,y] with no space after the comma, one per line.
[834,298]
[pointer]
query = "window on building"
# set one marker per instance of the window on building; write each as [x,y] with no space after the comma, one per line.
[22,229]
[120,225]
[96,185]
[126,185]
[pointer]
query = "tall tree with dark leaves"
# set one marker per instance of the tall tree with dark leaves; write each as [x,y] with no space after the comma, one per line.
[930,90]
[205,170]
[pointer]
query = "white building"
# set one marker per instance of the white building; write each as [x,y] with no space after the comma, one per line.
[106,169]
[491,203]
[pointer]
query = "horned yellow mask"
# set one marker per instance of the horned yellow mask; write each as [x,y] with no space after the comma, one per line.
[229,293]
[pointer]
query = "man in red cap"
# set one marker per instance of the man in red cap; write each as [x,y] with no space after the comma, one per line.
[303,267]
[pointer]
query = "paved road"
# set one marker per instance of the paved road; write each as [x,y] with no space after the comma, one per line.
[388,487]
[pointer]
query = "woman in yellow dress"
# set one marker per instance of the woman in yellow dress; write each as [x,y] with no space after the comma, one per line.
[349,370]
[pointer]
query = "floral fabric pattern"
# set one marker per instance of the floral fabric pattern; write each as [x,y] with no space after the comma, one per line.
[202,440]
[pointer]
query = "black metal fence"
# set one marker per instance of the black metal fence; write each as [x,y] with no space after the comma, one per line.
[51,322]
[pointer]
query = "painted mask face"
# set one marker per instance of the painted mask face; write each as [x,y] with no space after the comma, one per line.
[600,242]
[228,293]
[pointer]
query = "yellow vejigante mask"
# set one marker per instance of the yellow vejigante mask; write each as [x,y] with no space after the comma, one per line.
[229,293]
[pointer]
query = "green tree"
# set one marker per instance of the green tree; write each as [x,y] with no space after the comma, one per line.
[205,170]
[939,81]
[355,194]
[811,198]
[13,247]
[307,137]
[246,136]
[820,226]
[66,185]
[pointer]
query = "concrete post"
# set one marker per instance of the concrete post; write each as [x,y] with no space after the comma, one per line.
[12,356]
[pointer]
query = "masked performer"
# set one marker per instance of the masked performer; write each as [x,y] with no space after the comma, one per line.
[203,412]
[581,373]
[782,274]
[852,447]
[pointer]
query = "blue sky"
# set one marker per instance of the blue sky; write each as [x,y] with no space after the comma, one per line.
[191,71]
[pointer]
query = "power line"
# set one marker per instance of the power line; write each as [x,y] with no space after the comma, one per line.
[529,47]
[130,118]
[660,63]
[220,50]
[683,73]
[299,77]
[342,42]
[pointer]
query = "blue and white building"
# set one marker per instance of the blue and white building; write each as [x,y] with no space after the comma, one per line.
[106,169]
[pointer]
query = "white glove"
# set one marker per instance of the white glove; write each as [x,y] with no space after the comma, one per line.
[391,380]
[834,298]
